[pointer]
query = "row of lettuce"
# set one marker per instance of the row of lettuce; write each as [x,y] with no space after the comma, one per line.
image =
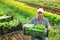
[30,12]
[46,4]
[5,9]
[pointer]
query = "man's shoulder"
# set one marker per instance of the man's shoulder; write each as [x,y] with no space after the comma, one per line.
[44,18]
[34,18]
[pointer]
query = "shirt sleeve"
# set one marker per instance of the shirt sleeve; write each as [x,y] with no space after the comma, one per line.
[47,24]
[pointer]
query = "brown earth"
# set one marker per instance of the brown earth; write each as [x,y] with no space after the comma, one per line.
[45,8]
[55,11]
[24,37]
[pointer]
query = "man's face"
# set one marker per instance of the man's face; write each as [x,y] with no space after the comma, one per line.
[40,14]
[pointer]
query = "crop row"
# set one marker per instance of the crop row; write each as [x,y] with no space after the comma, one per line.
[30,12]
[46,4]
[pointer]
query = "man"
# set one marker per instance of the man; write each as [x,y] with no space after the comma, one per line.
[40,20]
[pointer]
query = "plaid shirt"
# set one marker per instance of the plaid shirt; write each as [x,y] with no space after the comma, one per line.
[45,22]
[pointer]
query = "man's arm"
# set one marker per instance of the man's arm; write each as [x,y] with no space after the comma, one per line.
[48,27]
[30,22]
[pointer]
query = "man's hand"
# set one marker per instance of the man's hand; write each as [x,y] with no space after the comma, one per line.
[47,33]
[27,25]
[46,38]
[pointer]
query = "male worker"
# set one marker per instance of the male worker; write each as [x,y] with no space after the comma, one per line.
[40,19]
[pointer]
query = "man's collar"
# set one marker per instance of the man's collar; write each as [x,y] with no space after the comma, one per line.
[43,18]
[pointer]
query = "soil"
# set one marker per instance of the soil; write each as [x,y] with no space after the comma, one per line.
[52,10]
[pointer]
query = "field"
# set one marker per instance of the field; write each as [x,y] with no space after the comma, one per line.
[23,13]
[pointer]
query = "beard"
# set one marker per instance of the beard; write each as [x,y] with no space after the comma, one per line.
[40,18]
